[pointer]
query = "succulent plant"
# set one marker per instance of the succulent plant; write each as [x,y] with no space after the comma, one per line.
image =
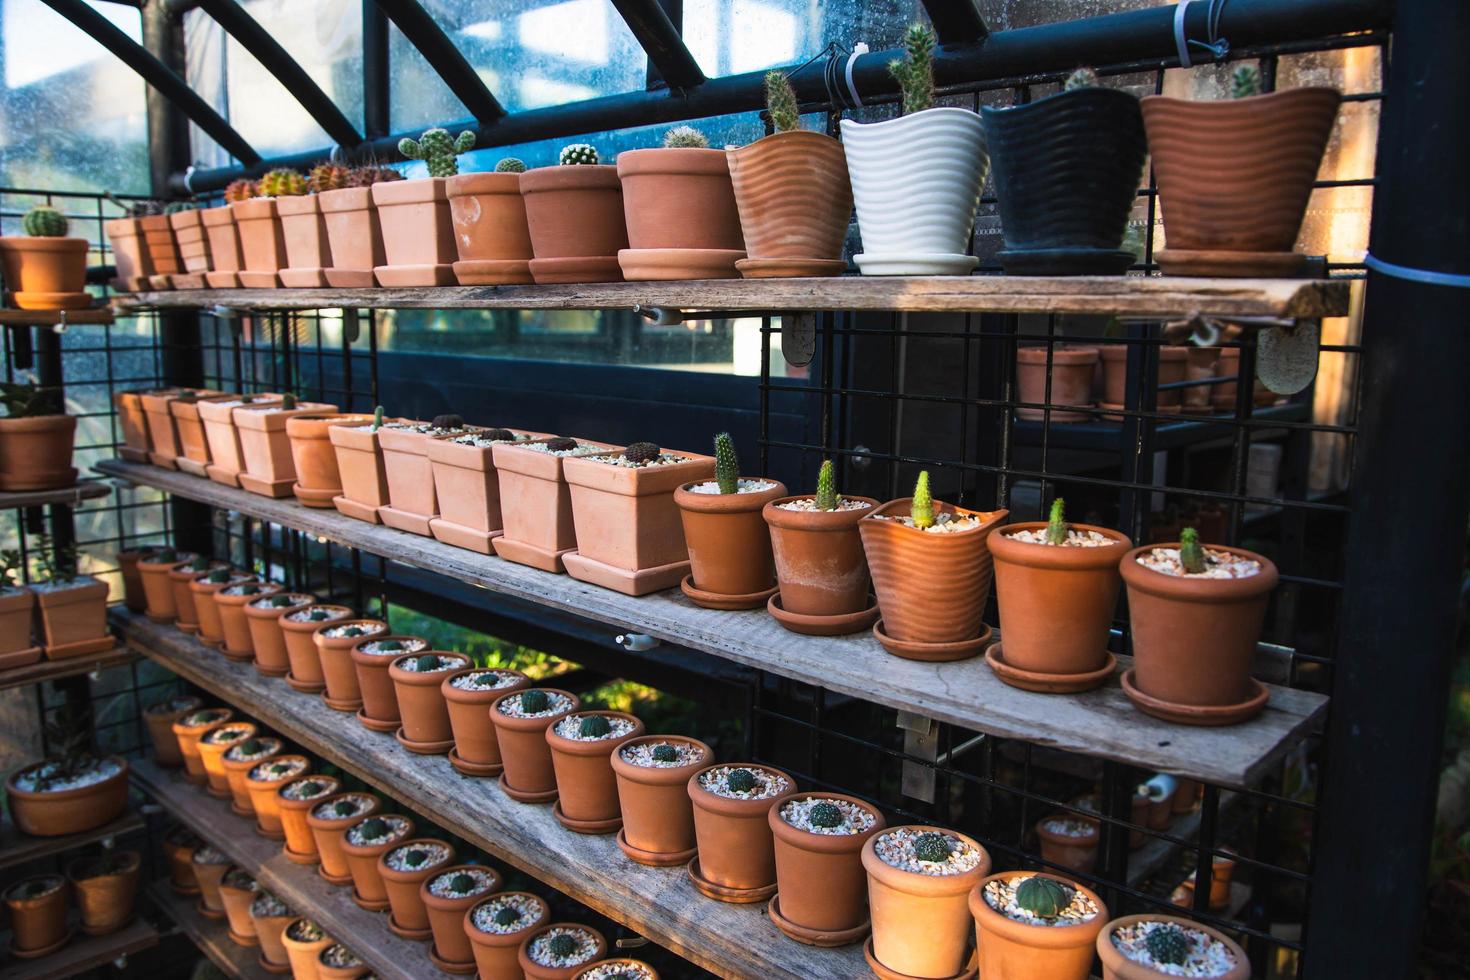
[561,444]
[1081,78]
[166,554]
[241,190]
[317,615]
[499,435]
[826,497]
[781,102]
[1245,81]
[1191,552]
[279,768]
[377,419]
[250,746]
[641,452]
[665,753]
[354,631]
[389,646]
[825,814]
[1056,524]
[1167,943]
[578,154]
[740,781]
[461,883]
[283,182]
[288,402]
[250,588]
[594,726]
[685,137]
[1043,897]
[534,701]
[200,564]
[932,847]
[510,165]
[447,421]
[218,575]
[367,176]
[507,915]
[915,73]
[344,808]
[415,857]
[727,464]
[438,150]
[922,507]
[327,177]
[374,827]
[279,600]
[310,788]
[561,945]
[44,221]
[427,664]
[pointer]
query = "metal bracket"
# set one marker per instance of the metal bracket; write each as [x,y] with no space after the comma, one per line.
[637,642]
[659,316]
[920,740]
[798,338]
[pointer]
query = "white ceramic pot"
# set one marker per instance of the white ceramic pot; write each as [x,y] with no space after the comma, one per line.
[916,183]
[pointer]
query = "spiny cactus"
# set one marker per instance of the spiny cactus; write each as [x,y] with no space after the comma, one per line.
[510,165]
[561,444]
[594,726]
[288,402]
[727,464]
[665,753]
[578,154]
[1245,81]
[686,137]
[507,915]
[377,419]
[354,631]
[318,615]
[250,746]
[415,857]
[825,814]
[461,883]
[218,576]
[826,497]
[922,507]
[279,600]
[438,150]
[781,102]
[200,564]
[167,554]
[641,452]
[283,182]
[327,177]
[374,827]
[390,646]
[740,781]
[1191,552]
[1167,943]
[250,588]
[915,73]
[499,435]
[1081,78]
[241,190]
[1043,897]
[44,221]
[310,788]
[561,945]
[1056,524]
[427,664]
[367,176]
[447,421]
[931,847]
[344,808]
[534,701]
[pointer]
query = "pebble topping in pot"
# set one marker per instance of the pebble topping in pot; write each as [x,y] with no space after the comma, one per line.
[1001,895]
[661,754]
[343,808]
[319,614]
[827,816]
[377,830]
[278,770]
[430,663]
[206,717]
[626,970]
[562,947]
[926,852]
[252,749]
[395,648]
[1064,826]
[511,912]
[305,931]
[529,704]
[267,905]
[1174,949]
[339,956]
[209,854]
[353,629]
[745,486]
[1218,564]
[226,734]
[485,680]
[944,522]
[310,789]
[744,782]
[1075,538]
[809,505]
[418,856]
[593,728]
[461,883]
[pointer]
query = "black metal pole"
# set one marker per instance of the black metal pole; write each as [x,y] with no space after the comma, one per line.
[375,64]
[1411,484]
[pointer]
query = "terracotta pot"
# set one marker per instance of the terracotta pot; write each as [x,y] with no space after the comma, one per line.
[412,502]
[729,544]
[160,719]
[299,635]
[379,699]
[38,923]
[178,852]
[263,782]
[270,930]
[629,534]
[1138,815]
[181,579]
[360,463]
[302,953]
[193,444]
[45,273]
[736,846]
[795,203]
[819,877]
[237,772]
[218,418]
[490,233]
[1221,870]
[820,565]
[318,479]
[300,846]
[658,817]
[1235,176]
[587,791]
[1033,581]
[634,968]
[129,254]
[906,561]
[475,745]
[188,229]
[536,505]
[1186,794]
[133,420]
[262,242]
[203,591]
[265,447]
[1076,853]
[158,238]
[535,971]
[1223,398]
[327,831]
[1171,368]
[208,875]
[575,217]
[105,900]
[497,954]
[418,235]
[224,247]
[17,612]
[213,745]
[680,212]
[74,618]
[127,563]
[304,231]
[354,237]
[35,453]
[325,971]
[362,860]
[158,591]
[921,922]
[524,750]
[446,918]
[420,699]
[189,735]
[231,603]
[335,654]
[70,811]
[467,488]
[410,915]
[1194,639]
[1201,364]
[1116,966]
[1160,808]
[163,427]
[1072,368]
[1020,951]
[237,899]
[267,639]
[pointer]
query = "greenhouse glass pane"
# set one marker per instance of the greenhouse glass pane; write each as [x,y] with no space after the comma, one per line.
[418,97]
[728,37]
[72,117]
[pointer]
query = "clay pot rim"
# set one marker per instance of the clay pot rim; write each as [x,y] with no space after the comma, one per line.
[989,520]
[443,903]
[1065,354]
[289,803]
[948,110]
[614,961]
[181,220]
[64,794]
[235,888]
[314,425]
[729,806]
[380,659]
[275,612]
[419,190]
[199,730]
[333,823]
[1004,549]
[815,520]
[311,625]
[1179,588]
[1167,352]
[16,595]
[673,161]
[247,418]
[59,882]
[291,943]
[275,784]
[295,204]
[167,566]
[178,573]
[320,639]
[824,843]
[1250,104]
[47,243]
[38,422]
[414,677]
[198,584]
[376,850]
[729,503]
[266,589]
[198,703]
[462,696]
[1040,937]
[526,960]
[660,775]
[531,724]
[498,939]
[597,176]
[1115,962]
[484,182]
[602,746]
[237,765]
[253,208]
[922,885]
[1055,838]
[223,747]
[588,471]
[134,863]
[790,136]
[407,877]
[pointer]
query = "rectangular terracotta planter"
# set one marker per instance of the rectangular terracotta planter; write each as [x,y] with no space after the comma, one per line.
[264,447]
[193,244]
[354,238]
[305,235]
[129,254]
[74,617]
[468,489]
[418,234]
[133,419]
[412,502]
[262,243]
[536,505]
[224,247]
[193,454]
[163,251]
[630,535]
[360,462]
[218,418]
[17,611]
[163,433]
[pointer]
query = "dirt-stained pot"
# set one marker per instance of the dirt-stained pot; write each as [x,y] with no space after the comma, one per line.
[581,753]
[680,213]
[371,658]
[795,202]
[266,449]
[653,792]
[418,236]
[490,232]
[304,941]
[218,417]
[1130,933]
[58,812]
[105,888]
[231,603]
[1025,950]
[262,243]
[362,852]
[1072,368]
[403,869]
[160,718]
[17,613]
[298,632]
[237,890]
[1069,840]
[360,464]
[192,727]
[329,819]
[318,480]
[224,247]
[536,502]
[334,642]
[535,957]
[446,906]
[181,579]
[37,909]
[919,878]
[820,566]
[418,680]
[294,800]
[520,731]
[354,237]
[263,620]
[820,886]
[242,759]
[203,588]
[496,945]
[575,218]
[729,544]
[468,487]
[732,832]
[468,695]
[158,591]
[304,231]
[213,745]
[35,452]
[263,782]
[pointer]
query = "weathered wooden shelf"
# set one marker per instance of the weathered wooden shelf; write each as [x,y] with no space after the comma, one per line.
[660,903]
[52,670]
[83,953]
[49,318]
[1101,723]
[86,490]
[211,937]
[1144,296]
[17,848]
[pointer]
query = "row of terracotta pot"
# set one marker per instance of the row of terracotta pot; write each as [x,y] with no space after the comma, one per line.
[1069,838]
[71,615]
[104,888]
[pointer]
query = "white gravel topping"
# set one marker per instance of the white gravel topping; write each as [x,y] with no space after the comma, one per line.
[264,747]
[486,680]
[809,505]
[855,819]
[267,905]
[209,854]
[583,449]
[249,588]
[1001,896]
[1075,538]
[297,598]
[22,889]
[172,705]
[62,585]
[439,885]
[530,911]
[208,716]
[944,523]
[305,931]
[340,632]
[235,402]
[226,734]
[339,956]
[360,802]
[319,614]
[433,853]
[570,728]
[1218,564]
[41,778]
[896,849]
[618,459]
[583,949]
[1073,827]
[641,754]
[615,971]
[480,441]
[767,783]
[408,644]
[743,486]
[442,662]
[555,705]
[239,879]
[1208,957]
[394,827]
[320,786]
[278,772]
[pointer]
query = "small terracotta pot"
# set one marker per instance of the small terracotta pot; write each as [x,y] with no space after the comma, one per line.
[1160,810]
[129,253]
[180,578]
[658,817]
[47,273]
[368,890]
[819,877]
[1072,368]
[178,852]
[418,235]
[820,565]
[524,750]
[354,237]
[680,212]
[1200,365]
[302,954]
[1116,966]
[410,915]
[736,846]
[163,427]
[158,591]
[360,463]
[1020,951]
[326,972]
[452,950]
[412,502]
[213,745]
[74,618]
[795,203]
[37,924]
[379,699]
[921,923]
[420,698]
[535,971]
[127,563]
[587,791]
[299,635]
[128,407]
[236,901]
[497,953]
[490,233]
[729,544]
[105,900]
[300,846]
[266,636]
[1186,793]
[338,671]
[1076,853]
[536,505]
[328,832]
[188,228]
[262,242]
[318,479]
[226,459]
[304,231]
[224,247]
[189,735]
[270,930]
[203,591]
[467,487]
[266,449]
[70,811]
[230,604]
[1221,870]
[163,251]
[645,972]
[237,772]
[1172,362]
[1223,397]
[575,218]
[17,614]
[475,745]
[160,719]
[208,876]
[263,784]
[35,453]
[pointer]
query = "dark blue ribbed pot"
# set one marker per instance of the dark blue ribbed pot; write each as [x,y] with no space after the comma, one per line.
[1067,170]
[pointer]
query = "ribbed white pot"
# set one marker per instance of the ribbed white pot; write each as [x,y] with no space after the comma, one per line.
[916,183]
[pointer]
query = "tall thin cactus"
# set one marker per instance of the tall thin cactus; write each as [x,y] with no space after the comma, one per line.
[1191,552]
[727,464]
[781,102]
[377,419]
[1056,524]
[915,72]
[826,496]
[922,508]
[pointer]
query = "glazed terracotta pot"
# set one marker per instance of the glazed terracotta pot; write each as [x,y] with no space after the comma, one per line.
[795,203]
[476,750]
[368,890]
[418,235]
[421,704]
[535,971]
[188,730]
[299,635]
[1234,178]
[680,213]
[587,791]
[203,591]
[1071,381]
[1117,966]
[302,953]
[658,817]
[354,237]
[304,231]
[17,611]
[343,692]
[263,620]
[224,247]
[497,953]
[451,950]
[266,449]
[318,480]
[236,897]
[35,453]
[920,621]
[1021,951]
[921,922]
[218,418]
[379,699]
[729,544]
[630,536]
[270,930]
[820,566]
[231,603]
[105,895]
[327,831]
[188,228]
[262,242]
[181,579]
[46,273]
[69,811]
[819,877]
[179,846]
[37,923]
[263,782]
[208,875]
[163,251]
[536,505]
[158,592]
[736,849]
[467,488]
[524,750]
[213,745]
[1077,852]
[575,218]
[129,254]
[360,463]
[300,846]
[237,771]
[1194,638]
[490,233]
[410,917]
[160,719]
[1172,362]
[74,617]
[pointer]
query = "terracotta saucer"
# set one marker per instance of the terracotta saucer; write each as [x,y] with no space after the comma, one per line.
[634,583]
[1192,714]
[523,797]
[815,937]
[725,893]
[679,263]
[81,648]
[423,748]
[223,476]
[376,724]
[189,891]
[219,794]
[838,625]
[653,859]
[332,879]
[320,499]
[222,280]
[916,264]
[240,658]
[275,489]
[1201,262]
[213,915]
[413,935]
[576,268]
[133,455]
[186,280]
[1031,680]
[278,969]
[405,520]
[449,966]
[970,972]
[351,508]
[369,905]
[269,671]
[189,466]
[35,954]
[305,687]
[51,301]
[304,277]
[340,704]
[240,940]
[189,628]
[270,834]
[159,282]
[240,811]
[350,278]
[194,780]
[528,554]
[933,652]
[296,857]
[473,768]
[493,272]
[713,600]
[155,618]
[463,537]
[415,275]
[592,827]
[790,268]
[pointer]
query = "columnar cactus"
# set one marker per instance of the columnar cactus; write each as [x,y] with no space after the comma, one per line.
[377,419]
[921,509]
[826,497]
[288,402]
[686,137]
[438,150]
[44,221]
[511,165]
[1081,78]
[241,190]
[781,102]
[915,73]
[1056,525]
[594,726]
[727,465]
[283,182]
[327,177]
[1245,81]
[931,847]
[534,701]
[1167,943]
[1191,552]
[641,452]
[578,154]
[1044,898]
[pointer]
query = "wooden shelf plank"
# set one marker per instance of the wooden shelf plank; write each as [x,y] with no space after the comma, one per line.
[660,903]
[17,848]
[51,670]
[85,490]
[211,937]
[1145,296]
[1100,723]
[83,953]
[47,318]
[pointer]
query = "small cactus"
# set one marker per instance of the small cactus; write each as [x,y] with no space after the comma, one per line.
[167,554]
[922,508]
[438,150]
[740,781]
[427,664]
[250,588]
[288,402]
[781,102]
[374,827]
[825,814]
[377,419]
[507,915]
[369,175]
[578,154]
[727,464]
[1081,78]
[1167,943]
[218,576]
[594,726]
[561,444]
[534,701]
[499,435]
[1245,81]
[685,137]
[447,421]
[279,600]
[200,564]
[461,883]
[327,177]
[641,452]
[241,190]
[1056,524]
[44,221]
[317,615]
[915,73]
[354,631]
[283,182]
[1191,552]
[310,788]
[280,769]
[250,746]
[511,165]
[932,847]
[1044,898]
[389,646]
[344,808]
[826,497]
[561,945]
[415,857]
[665,753]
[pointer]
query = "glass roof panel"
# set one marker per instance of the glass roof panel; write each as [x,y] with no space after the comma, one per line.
[418,97]
[728,37]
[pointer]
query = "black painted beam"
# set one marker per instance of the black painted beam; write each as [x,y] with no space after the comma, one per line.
[375,70]
[660,38]
[441,54]
[957,21]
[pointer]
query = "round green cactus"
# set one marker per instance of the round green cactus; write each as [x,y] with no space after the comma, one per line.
[288,402]
[825,814]
[932,847]
[250,746]
[511,165]
[354,631]
[374,827]
[390,646]
[727,464]
[44,221]
[200,564]
[922,507]
[685,137]
[1191,552]
[167,554]
[279,600]
[283,182]
[1044,898]
[665,753]
[250,588]
[461,883]
[218,576]
[594,726]
[415,857]
[561,444]
[740,781]
[318,615]
[310,788]
[561,945]
[279,769]
[507,915]
[579,154]
[438,150]
[534,701]
[427,664]
[1167,943]
[344,808]
[641,452]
